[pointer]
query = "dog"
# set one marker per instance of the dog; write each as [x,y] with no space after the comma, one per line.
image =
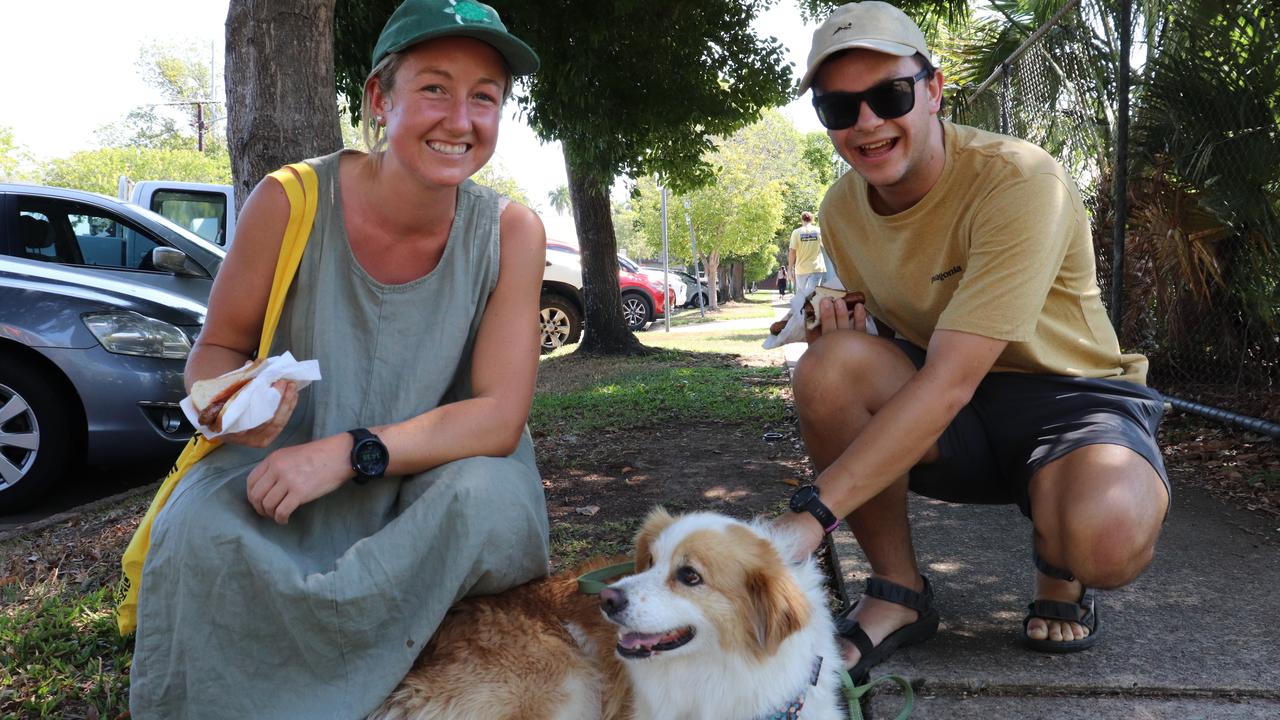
[713,624]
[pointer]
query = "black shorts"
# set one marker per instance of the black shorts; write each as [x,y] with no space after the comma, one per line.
[1017,423]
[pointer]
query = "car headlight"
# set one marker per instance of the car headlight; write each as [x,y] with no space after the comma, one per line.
[130,333]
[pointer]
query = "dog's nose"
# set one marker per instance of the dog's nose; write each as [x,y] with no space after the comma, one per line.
[612,601]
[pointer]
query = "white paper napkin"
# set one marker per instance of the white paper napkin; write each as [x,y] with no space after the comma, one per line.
[257,402]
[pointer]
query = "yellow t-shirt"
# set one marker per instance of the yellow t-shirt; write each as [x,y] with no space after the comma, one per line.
[999,247]
[807,242]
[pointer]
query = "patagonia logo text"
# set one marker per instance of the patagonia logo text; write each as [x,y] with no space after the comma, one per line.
[944,275]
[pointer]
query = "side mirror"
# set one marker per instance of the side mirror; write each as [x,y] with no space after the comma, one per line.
[172,260]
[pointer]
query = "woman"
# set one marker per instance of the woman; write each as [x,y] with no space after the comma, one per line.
[285,578]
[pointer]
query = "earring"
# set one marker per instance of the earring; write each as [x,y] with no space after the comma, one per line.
[378,119]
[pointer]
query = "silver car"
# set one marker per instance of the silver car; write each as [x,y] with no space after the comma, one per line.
[100,301]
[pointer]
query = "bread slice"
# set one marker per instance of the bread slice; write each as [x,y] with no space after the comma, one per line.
[811,319]
[212,395]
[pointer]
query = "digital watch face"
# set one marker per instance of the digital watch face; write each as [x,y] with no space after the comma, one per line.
[371,458]
[801,498]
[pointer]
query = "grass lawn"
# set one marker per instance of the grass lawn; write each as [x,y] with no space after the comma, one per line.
[757,305]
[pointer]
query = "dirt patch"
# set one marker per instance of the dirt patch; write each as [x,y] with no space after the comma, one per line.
[600,488]
[1239,467]
[82,552]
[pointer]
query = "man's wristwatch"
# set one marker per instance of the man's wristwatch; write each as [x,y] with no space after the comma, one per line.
[805,499]
[369,457]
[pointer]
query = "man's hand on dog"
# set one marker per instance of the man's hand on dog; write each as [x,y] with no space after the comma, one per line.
[804,533]
[835,314]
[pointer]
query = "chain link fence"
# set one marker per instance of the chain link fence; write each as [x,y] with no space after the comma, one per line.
[1199,287]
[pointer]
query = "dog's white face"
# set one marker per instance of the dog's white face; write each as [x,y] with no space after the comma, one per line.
[704,583]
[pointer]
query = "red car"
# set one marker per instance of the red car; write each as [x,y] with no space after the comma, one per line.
[638,310]
[643,300]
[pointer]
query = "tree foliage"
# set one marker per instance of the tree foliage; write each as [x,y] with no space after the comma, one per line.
[184,77]
[100,170]
[559,199]
[930,15]
[1206,134]
[12,156]
[494,176]
[150,143]
[742,215]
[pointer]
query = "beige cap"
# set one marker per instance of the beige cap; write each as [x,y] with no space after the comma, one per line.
[869,25]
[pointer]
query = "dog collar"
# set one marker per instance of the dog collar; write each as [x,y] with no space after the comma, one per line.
[791,711]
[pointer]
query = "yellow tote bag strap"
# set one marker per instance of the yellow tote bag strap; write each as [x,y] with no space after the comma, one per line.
[299,181]
[300,184]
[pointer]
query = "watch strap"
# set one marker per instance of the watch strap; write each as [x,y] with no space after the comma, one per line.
[820,512]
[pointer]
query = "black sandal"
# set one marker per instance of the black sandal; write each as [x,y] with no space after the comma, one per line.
[924,627]
[1083,612]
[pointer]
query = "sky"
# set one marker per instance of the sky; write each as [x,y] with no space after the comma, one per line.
[89,78]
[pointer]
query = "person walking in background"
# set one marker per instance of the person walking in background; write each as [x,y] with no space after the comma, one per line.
[782,281]
[804,256]
[299,569]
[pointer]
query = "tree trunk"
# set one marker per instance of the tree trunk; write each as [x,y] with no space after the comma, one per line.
[281,95]
[738,269]
[712,263]
[605,332]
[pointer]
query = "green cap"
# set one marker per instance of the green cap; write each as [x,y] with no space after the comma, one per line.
[418,20]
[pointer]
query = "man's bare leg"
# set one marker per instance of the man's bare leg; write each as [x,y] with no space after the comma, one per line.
[841,381]
[1097,512]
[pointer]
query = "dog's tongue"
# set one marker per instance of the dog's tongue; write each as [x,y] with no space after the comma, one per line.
[639,641]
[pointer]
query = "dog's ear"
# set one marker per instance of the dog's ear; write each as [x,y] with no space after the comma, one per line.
[657,521]
[778,605]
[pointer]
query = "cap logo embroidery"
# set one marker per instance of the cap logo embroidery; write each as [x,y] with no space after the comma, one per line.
[842,28]
[466,11]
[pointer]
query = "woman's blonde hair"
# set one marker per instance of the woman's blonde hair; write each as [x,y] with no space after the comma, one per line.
[374,132]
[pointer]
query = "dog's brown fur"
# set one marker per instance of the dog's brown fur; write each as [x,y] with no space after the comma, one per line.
[511,651]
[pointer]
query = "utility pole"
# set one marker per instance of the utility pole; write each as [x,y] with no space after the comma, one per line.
[199,125]
[702,297]
[666,265]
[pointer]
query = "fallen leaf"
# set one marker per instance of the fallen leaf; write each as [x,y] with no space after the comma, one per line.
[588,510]
[791,481]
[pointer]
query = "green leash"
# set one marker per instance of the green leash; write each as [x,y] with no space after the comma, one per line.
[855,692]
[593,582]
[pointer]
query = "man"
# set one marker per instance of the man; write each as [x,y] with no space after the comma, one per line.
[804,256]
[1006,384]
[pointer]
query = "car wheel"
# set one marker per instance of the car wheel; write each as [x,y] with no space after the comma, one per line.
[35,434]
[561,322]
[636,311]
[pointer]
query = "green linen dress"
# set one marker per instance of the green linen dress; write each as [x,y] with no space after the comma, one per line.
[242,618]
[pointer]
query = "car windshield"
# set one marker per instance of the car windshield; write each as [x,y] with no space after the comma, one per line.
[627,264]
[177,229]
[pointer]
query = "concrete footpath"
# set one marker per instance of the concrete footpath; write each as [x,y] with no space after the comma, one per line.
[1196,636]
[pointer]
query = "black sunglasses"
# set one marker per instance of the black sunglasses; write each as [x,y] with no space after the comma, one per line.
[890,99]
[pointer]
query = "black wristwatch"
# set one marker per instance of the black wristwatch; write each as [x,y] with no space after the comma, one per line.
[805,499]
[369,457]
